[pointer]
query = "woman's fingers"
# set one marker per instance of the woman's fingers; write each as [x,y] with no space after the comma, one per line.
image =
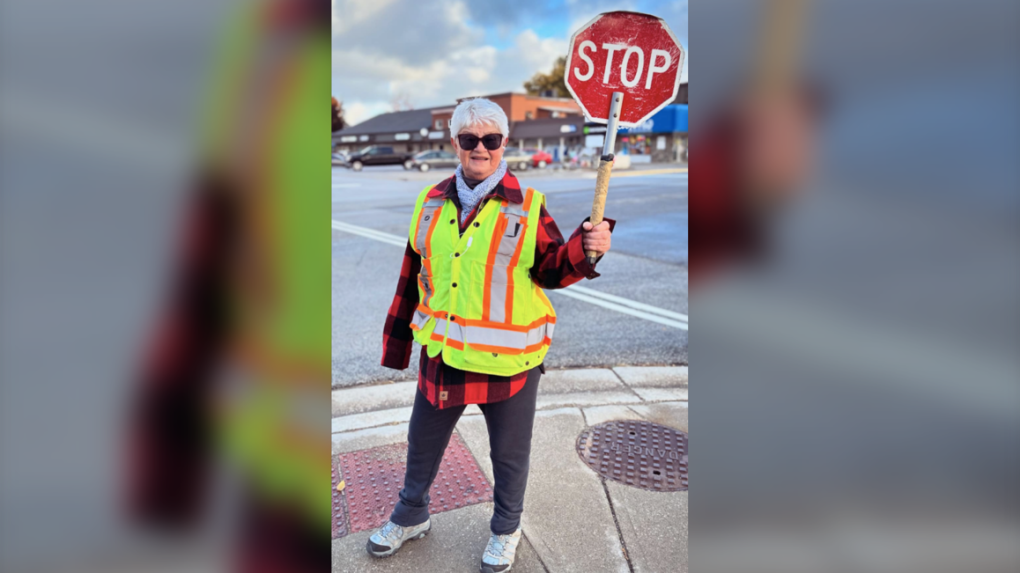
[596,238]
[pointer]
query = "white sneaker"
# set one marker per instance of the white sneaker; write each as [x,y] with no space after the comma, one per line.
[499,553]
[388,539]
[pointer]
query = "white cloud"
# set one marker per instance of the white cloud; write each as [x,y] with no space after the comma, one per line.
[357,112]
[355,12]
[434,53]
[367,81]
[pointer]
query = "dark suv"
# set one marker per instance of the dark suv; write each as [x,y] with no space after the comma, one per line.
[377,155]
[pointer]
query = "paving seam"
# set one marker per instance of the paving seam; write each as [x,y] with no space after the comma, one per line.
[475,457]
[624,382]
[583,417]
[616,522]
[367,427]
[558,406]
[537,554]
[544,409]
[635,412]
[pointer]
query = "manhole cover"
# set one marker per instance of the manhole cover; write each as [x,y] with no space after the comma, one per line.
[638,453]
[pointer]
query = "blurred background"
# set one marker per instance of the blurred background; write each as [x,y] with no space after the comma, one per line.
[855,209]
[858,314]
[153,369]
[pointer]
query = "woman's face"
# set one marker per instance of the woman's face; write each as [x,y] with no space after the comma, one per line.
[479,163]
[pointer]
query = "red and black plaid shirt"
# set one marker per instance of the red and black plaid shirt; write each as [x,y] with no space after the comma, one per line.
[558,264]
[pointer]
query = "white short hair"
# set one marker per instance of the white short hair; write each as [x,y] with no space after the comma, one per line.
[479,110]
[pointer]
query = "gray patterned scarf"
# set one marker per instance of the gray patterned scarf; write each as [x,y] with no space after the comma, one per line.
[469,197]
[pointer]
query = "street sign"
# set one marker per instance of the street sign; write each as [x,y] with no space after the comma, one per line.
[622,67]
[626,52]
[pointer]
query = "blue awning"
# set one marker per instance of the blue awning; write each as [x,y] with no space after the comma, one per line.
[670,119]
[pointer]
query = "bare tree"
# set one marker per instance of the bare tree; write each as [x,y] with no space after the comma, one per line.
[401,101]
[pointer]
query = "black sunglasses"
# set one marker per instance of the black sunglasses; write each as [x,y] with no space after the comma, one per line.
[491,141]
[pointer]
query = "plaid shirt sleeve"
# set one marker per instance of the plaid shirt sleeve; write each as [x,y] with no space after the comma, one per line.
[397,334]
[559,263]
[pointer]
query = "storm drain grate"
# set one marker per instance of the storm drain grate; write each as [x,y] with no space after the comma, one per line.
[638,453]
[374,478]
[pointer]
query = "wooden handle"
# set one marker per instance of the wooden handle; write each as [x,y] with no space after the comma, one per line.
[779,45]
[598,207]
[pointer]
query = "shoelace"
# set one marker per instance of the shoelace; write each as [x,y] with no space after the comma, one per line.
[498,546]
[389,529]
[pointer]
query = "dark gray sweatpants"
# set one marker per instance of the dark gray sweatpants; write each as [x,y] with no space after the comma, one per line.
[509,422]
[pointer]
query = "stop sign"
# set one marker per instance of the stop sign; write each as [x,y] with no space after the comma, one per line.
[628,52]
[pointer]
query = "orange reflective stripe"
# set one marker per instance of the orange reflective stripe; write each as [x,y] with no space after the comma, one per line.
[504,326]
[436,313]
[509,312]
[528,198]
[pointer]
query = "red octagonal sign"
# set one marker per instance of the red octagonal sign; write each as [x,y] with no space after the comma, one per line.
[628,52]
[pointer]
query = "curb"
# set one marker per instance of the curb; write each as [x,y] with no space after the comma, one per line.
[383,407]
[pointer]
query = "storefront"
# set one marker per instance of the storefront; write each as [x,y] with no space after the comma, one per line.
[660,139]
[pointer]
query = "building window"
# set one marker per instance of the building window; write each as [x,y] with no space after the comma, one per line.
[449,122]
[529,115]
[439,124]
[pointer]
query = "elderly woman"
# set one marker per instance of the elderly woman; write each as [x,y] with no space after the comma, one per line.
[480,250]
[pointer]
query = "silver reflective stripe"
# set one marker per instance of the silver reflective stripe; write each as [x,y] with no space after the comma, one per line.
[456,332]
[440,328]
[515,209]
[426,283]
[429,211]
[494,337]
[497,293]
[536,335]
[550,327]
[508,242]
[508,338]
[420,318]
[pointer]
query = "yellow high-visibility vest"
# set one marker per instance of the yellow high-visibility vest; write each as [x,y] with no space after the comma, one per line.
[477,303]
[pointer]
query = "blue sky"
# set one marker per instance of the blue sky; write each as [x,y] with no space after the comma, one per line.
[432,52]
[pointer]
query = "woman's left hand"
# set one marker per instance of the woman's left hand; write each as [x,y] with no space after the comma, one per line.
[596,238]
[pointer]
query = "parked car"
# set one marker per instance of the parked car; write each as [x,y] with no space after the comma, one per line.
[340,158]
[539,158]
[431,160]
[377,155]
[517,158]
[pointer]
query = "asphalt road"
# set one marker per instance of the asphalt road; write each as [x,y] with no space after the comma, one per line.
[647,264]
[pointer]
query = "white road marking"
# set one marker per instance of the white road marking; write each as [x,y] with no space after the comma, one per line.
[370,233]
[590,296]
[631,303]
[571,292]
[92,131]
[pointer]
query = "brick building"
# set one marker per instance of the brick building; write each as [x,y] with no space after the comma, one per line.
[419,130]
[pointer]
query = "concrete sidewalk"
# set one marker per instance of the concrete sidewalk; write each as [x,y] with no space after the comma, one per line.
[574,520]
